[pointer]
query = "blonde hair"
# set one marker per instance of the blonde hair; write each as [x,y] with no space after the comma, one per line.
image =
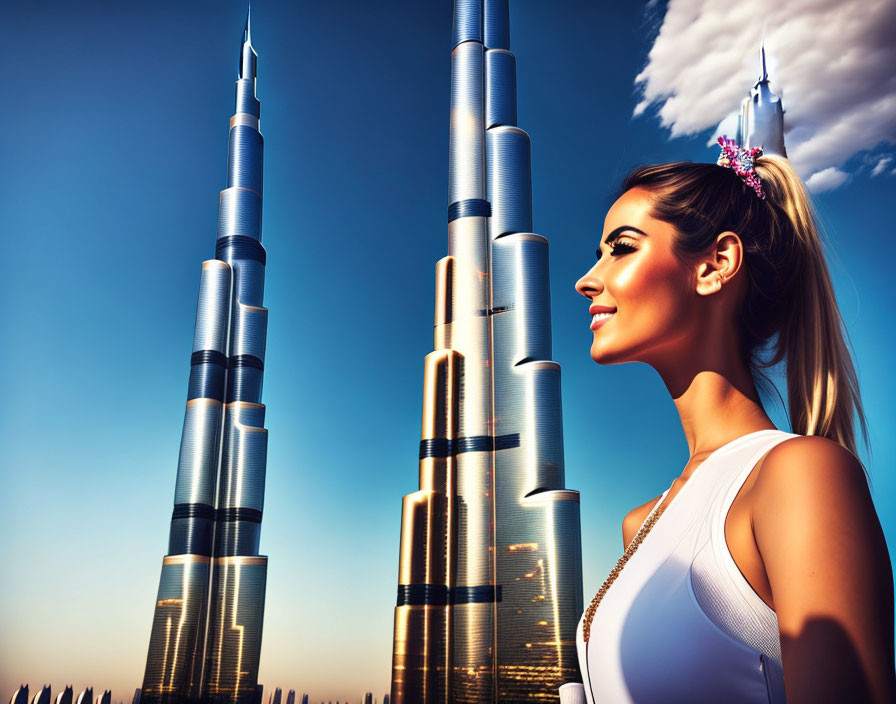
[789,308]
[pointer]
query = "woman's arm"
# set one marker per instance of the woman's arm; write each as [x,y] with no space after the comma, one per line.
[829,570]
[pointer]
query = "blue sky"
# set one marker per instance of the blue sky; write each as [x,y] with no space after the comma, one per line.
[114,150]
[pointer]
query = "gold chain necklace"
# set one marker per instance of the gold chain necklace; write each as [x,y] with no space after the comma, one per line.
[614,573]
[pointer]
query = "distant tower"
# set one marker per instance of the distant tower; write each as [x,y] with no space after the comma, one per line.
[304,699]
[205,641]
[136,696]
[761,119]
[86,696]
[105,697]
[20,696]
[291,697]
[43,696]
[276,696]
[490,563]
[66,696]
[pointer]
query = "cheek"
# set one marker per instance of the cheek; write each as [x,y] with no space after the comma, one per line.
[653,308]
[650,288]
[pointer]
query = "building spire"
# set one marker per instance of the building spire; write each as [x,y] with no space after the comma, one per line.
[248,57]
[764,77]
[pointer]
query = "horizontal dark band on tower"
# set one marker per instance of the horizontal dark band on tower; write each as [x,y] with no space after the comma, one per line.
[446,447]
[422,594]
[440,595]
[240,247]
[208,357]
[215,357]
[246,360]
[483,594]
[472,207]
[222,514]
[193,511]
[229,515]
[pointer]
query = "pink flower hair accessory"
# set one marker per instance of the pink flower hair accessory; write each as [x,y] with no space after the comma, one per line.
[741,160]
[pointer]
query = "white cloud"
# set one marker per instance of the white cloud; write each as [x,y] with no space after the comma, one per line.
[881,165]
[826,180]
[833,62]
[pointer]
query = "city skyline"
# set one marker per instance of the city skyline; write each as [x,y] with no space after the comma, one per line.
[110,194]
[21,696]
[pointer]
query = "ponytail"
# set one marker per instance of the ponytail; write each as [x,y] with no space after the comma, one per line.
[789,308]
[822,386]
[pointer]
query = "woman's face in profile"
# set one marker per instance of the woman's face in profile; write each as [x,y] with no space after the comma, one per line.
[642,299]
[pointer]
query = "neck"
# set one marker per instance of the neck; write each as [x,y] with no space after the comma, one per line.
[715,396]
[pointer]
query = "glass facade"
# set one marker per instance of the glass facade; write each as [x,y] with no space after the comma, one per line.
[490,575]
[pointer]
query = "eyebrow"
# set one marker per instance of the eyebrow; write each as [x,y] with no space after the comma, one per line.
[615,234]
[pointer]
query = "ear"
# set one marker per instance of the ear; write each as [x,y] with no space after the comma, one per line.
[719,265]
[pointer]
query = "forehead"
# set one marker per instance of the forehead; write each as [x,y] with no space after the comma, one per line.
[633,208]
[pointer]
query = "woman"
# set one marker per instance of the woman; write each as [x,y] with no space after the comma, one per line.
[763,568]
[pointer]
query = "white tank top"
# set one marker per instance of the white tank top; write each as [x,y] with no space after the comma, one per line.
[681,623]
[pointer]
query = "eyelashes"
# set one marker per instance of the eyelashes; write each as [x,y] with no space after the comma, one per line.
[617,248]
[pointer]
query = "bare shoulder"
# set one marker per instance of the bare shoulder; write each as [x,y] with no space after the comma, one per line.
[818,534]
[810,474]
[811,489]
[633,520]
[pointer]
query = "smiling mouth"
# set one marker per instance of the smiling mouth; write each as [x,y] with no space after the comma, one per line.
[599,319]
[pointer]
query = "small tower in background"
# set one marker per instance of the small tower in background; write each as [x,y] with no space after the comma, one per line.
[43,696]
[20,696]
[761,119]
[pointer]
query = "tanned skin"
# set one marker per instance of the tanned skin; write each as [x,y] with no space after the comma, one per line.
[803,529]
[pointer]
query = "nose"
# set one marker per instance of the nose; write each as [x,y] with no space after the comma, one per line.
[590,285]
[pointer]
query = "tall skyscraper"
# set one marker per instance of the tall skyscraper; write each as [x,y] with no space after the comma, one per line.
[206,633]
[490,577]
[761,119]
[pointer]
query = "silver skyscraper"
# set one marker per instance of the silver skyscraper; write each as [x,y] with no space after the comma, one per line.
[490,579]
[206,633]
[761,119]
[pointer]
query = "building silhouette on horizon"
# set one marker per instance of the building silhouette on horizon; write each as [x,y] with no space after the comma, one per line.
[205,641]
[490,574]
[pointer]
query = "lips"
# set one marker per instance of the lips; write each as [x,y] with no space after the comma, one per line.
[600,315]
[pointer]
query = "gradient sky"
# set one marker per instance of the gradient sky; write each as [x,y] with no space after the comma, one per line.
[114,150]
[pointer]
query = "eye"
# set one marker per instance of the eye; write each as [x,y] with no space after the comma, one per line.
[618,247]
[621,247]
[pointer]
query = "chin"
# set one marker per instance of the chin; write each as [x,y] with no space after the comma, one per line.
[605,354]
